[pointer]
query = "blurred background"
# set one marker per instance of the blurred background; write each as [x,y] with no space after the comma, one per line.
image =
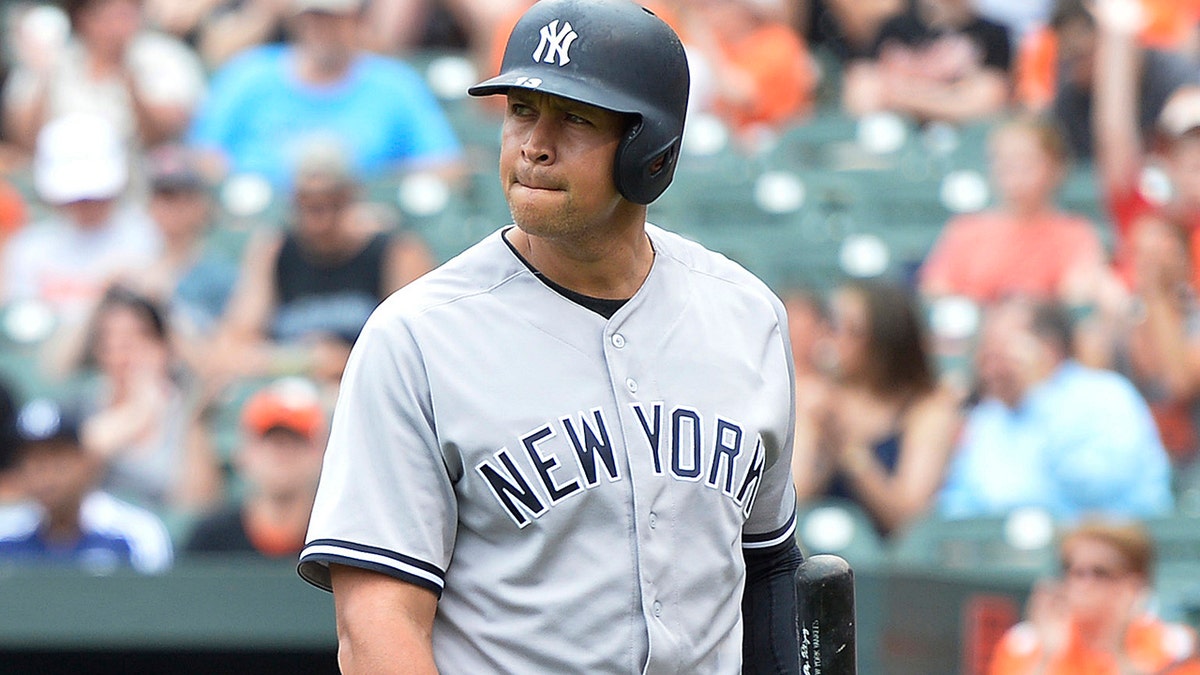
[982,217]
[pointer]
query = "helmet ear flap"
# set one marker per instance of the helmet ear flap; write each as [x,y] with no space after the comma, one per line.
[644,172]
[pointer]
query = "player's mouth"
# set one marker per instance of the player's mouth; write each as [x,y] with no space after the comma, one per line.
[531,182]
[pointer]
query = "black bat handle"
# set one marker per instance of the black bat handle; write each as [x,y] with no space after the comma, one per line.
[826,622]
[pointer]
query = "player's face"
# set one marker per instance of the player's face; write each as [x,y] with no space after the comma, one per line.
[556,164]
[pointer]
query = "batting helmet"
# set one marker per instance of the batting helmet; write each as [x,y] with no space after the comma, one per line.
[615,55]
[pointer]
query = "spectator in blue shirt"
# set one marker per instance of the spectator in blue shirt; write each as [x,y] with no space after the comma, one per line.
[1050,432]
[268,102]
[71,523]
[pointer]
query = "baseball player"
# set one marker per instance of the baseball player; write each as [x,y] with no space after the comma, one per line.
[567,449]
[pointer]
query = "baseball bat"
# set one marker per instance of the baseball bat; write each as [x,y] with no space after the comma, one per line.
[826,622]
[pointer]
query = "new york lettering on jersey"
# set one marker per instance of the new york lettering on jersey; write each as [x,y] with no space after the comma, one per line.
[559,460]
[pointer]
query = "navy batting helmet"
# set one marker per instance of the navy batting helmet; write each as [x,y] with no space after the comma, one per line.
[615,55]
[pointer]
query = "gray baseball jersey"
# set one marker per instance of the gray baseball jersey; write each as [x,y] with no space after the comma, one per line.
[577,490]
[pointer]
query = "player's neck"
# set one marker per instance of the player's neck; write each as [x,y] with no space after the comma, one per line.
[613,267]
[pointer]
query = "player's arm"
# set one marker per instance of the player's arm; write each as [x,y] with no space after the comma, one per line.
[769,610]
[384,625]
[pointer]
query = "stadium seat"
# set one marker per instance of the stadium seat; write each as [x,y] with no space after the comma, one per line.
[1021,541]
[838,527]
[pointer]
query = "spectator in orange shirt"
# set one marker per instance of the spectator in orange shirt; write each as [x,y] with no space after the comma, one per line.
[761,74]
[1024,245]
[1095,620]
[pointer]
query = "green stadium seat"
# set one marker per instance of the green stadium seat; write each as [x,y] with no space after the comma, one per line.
[838,527]
[1024,540]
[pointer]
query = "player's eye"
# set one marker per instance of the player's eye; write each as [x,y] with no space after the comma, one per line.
[519,109]
[577,119]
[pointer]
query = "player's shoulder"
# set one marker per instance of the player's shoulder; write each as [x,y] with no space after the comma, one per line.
[709,267]
[454,285]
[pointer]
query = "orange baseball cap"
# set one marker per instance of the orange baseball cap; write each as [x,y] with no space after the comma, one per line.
[291,404]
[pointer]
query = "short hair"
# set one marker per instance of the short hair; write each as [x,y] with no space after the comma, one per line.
[1070,11]
[1129,538]
[1047,130]
[1052,322]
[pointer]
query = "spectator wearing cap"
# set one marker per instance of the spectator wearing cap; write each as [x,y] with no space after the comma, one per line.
[1158,240]
[266,104]
[91,236]
[279,463]
[144,83]
[190,278]
[77,525]
[305,293]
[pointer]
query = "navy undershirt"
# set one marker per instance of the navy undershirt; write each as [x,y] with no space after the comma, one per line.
[605,307]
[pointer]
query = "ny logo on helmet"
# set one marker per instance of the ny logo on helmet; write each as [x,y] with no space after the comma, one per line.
[555,43]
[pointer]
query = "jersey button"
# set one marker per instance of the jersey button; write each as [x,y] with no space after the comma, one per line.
[618,340]
[657,608]
[631,385]
[653,521]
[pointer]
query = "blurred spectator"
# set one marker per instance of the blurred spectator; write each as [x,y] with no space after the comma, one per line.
[1051,433]
[763,76]
[67,260]
[938,61]
[810,332]
[266,104]
[305,293]
[1168,25]
[144,83]
[884,438]
[1025,244]
[1096,619]
[1080,46]
[846,28]
[142,419]
[1122,154]
[77,524]
[279,463]
[189,278]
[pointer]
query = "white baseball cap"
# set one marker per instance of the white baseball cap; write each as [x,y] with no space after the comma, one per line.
[1181,113]
[79,156]
[328,6]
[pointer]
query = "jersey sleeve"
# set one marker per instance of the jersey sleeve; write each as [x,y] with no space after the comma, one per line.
[772,519]
[385,500]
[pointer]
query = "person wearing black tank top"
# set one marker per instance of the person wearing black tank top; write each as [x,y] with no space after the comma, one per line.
[305,292]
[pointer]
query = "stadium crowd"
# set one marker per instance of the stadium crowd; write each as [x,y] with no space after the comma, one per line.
[200,205]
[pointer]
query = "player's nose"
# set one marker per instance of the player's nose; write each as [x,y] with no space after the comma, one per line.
[539,142]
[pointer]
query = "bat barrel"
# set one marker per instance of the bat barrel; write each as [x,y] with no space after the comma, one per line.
[825,590]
